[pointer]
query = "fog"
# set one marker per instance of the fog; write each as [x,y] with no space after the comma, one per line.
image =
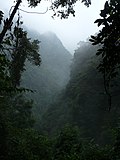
[70,31]
[60,98]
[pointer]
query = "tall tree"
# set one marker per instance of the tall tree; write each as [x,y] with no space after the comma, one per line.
[23,48]
[109,40]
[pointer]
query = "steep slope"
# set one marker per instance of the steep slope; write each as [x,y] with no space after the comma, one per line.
[53,74]
[84,102]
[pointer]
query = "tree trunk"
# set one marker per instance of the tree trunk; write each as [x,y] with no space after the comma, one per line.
[8,22]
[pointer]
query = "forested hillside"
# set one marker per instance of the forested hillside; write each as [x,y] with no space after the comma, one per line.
[53,74]
[84,102]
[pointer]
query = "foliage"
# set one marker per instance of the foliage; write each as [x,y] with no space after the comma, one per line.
[109,40]
[63,8]
[5,83]
[84,103]
[70,146]
[1,16]
[15,49]
[67,144]
[14,114]
[52,75]
[24,49]
[18,140]
[33,3]
[28,144]
[15,111]
[116,147]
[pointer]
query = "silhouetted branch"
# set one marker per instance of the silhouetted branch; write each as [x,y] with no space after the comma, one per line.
[8,22]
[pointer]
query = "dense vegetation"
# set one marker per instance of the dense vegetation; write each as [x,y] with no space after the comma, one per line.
[83,122]
[84,102]
[51,77]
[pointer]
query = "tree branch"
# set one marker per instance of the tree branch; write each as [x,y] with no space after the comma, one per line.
[8,22]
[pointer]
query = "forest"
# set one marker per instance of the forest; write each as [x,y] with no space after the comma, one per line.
[55,105]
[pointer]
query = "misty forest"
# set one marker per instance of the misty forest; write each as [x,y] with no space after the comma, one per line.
[55,105]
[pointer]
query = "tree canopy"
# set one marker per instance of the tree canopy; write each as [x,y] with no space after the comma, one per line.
[109,40]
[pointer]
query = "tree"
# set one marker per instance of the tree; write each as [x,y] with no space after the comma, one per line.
[16,112]
[33,3]
[65,8]
[109,40]
[67,144]
[6,82]
[16,48]
[23,48]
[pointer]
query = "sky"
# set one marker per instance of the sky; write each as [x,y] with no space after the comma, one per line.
[70,31]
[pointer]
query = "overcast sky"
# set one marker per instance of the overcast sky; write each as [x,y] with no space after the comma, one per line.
[71,30]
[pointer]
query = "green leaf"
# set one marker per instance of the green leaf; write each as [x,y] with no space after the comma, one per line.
[99,21]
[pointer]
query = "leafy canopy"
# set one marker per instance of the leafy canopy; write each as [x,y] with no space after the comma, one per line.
[109,40]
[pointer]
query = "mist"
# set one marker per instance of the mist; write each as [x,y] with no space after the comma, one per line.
[60,81]
[71,30]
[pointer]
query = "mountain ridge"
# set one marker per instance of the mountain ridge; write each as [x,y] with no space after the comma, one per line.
[51,77]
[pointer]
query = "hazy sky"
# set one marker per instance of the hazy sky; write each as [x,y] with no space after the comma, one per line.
[71,30]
